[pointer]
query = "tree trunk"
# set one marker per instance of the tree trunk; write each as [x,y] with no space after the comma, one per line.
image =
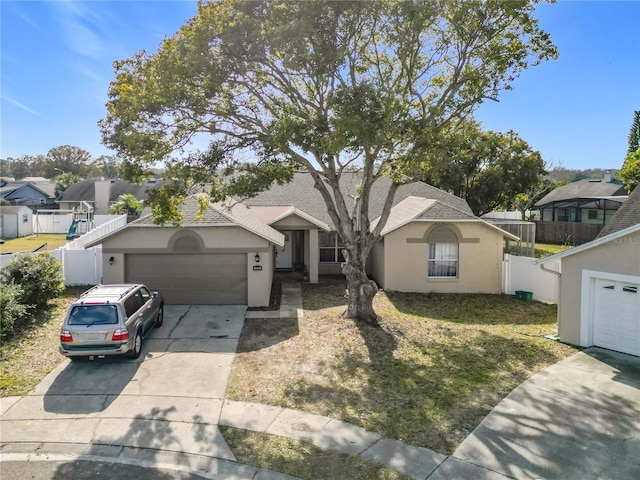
[361,291]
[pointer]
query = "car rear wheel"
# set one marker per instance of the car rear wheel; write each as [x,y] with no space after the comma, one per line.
[137,345]
[160,317]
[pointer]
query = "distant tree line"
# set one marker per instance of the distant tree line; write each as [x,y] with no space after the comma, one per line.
[65,159]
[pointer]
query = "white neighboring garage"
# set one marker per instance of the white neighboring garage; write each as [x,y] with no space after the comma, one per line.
[224,256]
[600,285]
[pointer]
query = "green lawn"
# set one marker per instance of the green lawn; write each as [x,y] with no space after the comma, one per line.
[32,242]
[546,249]
[427,376]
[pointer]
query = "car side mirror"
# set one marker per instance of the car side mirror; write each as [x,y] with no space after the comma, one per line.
[154,294]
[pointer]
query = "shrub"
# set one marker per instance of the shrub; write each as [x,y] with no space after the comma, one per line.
[39,275]
[11,310]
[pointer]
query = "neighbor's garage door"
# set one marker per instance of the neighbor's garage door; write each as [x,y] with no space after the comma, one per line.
[190,278]
[616,316]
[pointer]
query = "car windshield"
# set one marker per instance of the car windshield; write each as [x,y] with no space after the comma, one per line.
[93,315]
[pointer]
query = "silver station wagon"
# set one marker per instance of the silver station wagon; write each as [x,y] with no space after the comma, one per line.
[110,320]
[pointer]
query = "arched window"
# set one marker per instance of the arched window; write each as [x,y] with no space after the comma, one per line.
[443,253]
[185,242]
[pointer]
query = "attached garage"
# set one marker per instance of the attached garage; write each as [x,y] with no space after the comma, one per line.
[223,256]
[600,291]
[192,278]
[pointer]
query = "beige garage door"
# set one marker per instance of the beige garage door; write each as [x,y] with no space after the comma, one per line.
[192,278]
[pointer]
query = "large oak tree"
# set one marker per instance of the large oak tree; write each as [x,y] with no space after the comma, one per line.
[325,86]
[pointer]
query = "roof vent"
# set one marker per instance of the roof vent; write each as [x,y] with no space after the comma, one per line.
[594,180]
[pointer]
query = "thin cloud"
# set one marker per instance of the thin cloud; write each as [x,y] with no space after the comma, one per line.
[20,105]
[79,23]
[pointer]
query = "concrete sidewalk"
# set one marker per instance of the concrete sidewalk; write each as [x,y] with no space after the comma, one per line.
[290,304]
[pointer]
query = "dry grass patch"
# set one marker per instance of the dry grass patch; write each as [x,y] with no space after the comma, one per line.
[432,371]
[32,352]
[300,459]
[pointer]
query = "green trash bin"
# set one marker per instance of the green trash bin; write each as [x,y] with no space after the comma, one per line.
[524,295]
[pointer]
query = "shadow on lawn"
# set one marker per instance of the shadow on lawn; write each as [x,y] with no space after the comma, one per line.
[425,394]
[259,334]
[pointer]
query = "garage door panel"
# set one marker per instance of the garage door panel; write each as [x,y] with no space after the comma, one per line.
[616,316]
[192,278]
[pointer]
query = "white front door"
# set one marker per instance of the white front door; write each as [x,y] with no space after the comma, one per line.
[284,255]
[616,316]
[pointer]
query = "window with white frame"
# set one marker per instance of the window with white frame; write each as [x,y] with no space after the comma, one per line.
[443,254]
[330,247]
[25,218]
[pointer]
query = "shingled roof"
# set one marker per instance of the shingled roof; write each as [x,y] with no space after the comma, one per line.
[583,189]
[300,192]
[85,190]
[627,215]
[230,213]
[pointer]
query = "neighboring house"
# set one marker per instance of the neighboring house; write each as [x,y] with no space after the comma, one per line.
[29,194]
[575,213]
[592,201]
[101,194]
[5,180]
[432,243]
[15,222]
[600,285]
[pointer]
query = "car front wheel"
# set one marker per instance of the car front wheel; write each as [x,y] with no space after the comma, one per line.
[137,345]
[160,318]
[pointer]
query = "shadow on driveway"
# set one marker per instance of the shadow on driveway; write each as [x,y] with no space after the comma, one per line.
[578,419]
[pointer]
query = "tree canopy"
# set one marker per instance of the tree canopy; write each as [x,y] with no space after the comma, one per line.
[64,159]
[488,169]
[630,172]
[325,86]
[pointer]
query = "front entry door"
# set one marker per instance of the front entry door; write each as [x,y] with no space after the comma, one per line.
[284,255]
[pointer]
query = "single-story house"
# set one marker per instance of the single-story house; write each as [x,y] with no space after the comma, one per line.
[591,201]
[432,242]
[29,194]
[101,194]
[600,285]
[15,221]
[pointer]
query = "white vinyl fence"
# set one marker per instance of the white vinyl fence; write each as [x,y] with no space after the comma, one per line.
[521,273]
[59,221]
[98,232]
[81,266]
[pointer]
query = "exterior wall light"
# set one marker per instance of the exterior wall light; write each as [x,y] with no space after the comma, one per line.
[111,260]
[257,258]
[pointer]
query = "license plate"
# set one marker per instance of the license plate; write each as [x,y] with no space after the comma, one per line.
[93,337]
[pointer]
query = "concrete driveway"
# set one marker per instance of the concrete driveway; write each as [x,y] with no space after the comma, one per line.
[169,400]
[578,419]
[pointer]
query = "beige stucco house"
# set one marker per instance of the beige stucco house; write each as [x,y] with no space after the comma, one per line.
[600,283]
[432,243]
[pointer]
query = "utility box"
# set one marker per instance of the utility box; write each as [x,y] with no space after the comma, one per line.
[524,295]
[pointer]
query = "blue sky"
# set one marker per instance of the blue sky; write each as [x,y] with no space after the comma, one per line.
[56,65]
